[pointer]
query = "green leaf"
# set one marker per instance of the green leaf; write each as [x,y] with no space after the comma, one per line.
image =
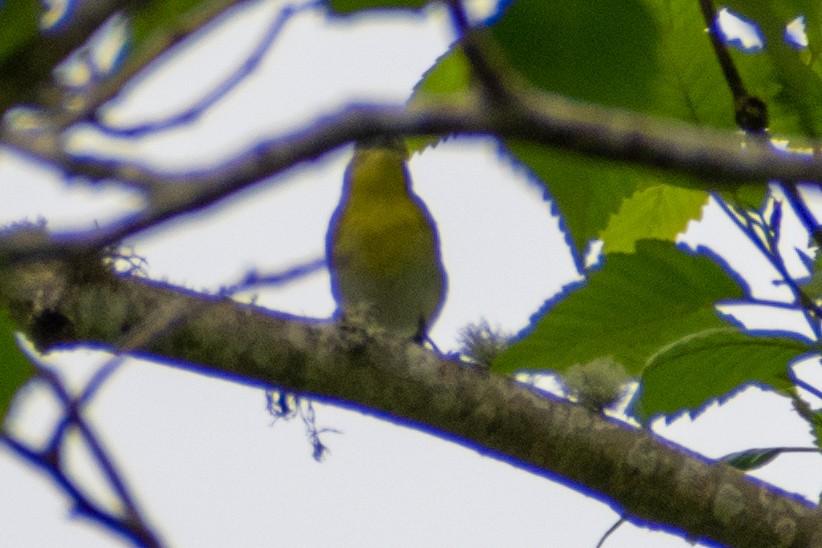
[751,459]
[659,212]
[586,191]
[450,75]
[651,56]
[637,303]
[449,78]
[750,196]
[15,367]
[812,284]
[154,16]
[351,6]
[687,83]
[604,51]
[615,201]
[654,56]
[815,420]
[19,21]
[665,66]
[704,366]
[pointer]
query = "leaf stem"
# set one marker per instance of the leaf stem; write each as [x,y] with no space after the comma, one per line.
[750,112]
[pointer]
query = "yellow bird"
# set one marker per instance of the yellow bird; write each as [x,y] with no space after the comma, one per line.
[382,246]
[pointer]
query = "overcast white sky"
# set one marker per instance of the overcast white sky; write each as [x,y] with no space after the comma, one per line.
[202,455]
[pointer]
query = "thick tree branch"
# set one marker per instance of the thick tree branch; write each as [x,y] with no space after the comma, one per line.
[630,469]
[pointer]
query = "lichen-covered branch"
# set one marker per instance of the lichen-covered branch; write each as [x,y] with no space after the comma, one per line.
[649,480]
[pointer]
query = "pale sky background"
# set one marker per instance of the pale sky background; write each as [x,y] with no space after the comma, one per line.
[201,455]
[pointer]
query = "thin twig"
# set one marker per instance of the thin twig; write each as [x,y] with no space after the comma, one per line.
[807,387]
[806,217]
[770,252]
[727,64]
[750,112]
[609,532]
[133,516]
[160,42]
[488,78]
[254,279]
[192,113]
[131,524]
[82,503]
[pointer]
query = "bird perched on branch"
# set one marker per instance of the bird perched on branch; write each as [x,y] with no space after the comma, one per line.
[382,245]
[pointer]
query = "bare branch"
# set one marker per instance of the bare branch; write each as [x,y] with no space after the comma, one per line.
[132,520]
[160,42]
[82,504]
[245,69]
[721,158]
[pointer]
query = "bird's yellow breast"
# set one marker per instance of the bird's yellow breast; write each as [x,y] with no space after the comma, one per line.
[382,246]
[386,236]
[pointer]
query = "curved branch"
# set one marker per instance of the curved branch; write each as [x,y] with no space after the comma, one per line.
[724,159]
[632,470]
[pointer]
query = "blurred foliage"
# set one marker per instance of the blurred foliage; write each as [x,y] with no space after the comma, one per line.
[15,367]
[351,6]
